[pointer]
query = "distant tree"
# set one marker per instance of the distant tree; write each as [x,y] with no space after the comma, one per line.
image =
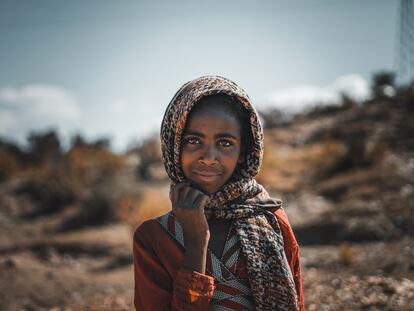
[102,143]
[79,141]
[347,102]
[43,146]
[273,117]
[149,154]
[12,148]
[383,83]
[11,159]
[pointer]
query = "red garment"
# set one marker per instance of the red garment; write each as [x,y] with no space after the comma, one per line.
[161,283]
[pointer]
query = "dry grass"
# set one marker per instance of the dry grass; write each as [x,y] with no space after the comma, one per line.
[9,165]
[89,164]
[152,203]
[285,167]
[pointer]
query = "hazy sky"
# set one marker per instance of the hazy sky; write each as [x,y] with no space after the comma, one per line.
[109,68]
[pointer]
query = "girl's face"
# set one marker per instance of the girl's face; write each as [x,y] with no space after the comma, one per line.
[210,148]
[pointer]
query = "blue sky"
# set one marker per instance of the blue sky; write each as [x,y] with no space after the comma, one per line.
[109,68]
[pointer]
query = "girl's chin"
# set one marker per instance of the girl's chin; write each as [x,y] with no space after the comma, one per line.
[206,189]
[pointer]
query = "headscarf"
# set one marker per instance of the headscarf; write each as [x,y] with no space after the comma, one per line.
[241,199]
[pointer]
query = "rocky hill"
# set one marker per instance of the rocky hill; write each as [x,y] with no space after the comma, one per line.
[345,174]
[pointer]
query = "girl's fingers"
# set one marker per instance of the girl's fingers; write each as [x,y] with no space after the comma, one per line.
[176,191]
[192,196]
[201,201]
[183,196]
[187,197]
[173,195]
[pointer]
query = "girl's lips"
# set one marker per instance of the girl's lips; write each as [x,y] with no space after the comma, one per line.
[206,176]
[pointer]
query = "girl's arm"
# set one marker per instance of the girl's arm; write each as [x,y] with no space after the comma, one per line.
[190,289]
[155,288]
[188,206]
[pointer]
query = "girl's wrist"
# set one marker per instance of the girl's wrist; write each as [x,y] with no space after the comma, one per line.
[195,258]
[198,243]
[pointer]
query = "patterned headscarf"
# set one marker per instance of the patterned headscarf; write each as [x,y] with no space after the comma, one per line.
[241,199]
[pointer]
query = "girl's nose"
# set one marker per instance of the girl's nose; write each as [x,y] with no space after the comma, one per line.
[209,156]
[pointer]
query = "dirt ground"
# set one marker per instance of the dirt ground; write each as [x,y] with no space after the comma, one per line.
[91,269]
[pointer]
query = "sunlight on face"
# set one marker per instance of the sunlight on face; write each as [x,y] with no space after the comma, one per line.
[210,149]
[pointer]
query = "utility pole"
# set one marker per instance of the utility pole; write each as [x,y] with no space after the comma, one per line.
[404,53]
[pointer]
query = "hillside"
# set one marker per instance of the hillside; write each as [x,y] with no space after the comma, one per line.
[345,174]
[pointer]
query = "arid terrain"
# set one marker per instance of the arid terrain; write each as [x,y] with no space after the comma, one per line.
[345,174]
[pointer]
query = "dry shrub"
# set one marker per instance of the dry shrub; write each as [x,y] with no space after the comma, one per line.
[345,254]
[150,166]
[99,173]
[86,175]
[9,165]
[50,189]
[285,167]
[88,164]
[152,203]
[96,210]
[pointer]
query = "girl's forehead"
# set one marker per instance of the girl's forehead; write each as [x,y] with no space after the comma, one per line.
[211,107]
[213,118]
[212,115]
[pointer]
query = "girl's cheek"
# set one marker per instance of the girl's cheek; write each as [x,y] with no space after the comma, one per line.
[232,152]
[190,150]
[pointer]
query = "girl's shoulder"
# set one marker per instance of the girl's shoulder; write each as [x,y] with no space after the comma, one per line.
[285,226]
[282,217]
[148,230]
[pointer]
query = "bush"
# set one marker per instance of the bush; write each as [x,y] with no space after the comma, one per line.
[150,167]
[50,190]
[9,165]
[285,169]
[44,146]
[96,210]
[89,165]
[274,117]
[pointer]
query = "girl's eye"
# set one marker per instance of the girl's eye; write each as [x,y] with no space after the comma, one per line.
[192,141]
[224,143]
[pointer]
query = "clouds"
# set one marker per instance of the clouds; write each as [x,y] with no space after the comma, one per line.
[37,107]
[40,107]
[124,118]
[297,98]
[119,106]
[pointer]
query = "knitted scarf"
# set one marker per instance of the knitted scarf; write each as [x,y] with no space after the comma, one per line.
[241,199]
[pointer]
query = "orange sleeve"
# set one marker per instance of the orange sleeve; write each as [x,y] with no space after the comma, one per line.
[291,247]
[156,289]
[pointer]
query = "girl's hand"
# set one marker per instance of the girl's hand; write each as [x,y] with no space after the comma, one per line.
[188,206]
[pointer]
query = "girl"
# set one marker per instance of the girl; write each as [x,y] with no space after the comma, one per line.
[226,245]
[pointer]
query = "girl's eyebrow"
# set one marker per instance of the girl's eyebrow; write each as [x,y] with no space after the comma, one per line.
[193,133]
[226,135]
[219,135]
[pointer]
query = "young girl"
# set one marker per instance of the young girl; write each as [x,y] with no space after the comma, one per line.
[226,245]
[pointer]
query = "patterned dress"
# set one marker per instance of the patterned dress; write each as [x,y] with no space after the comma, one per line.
[162,284]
